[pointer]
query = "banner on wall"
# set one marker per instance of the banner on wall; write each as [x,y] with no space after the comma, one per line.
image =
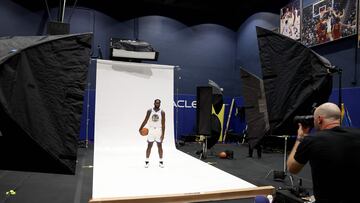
[328,20]
[290,20]
[185,115]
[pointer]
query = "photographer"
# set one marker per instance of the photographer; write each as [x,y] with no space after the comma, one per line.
[333,153]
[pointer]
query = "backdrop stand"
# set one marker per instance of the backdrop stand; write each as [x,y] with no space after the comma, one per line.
[177,71]
[87,114]
[85,143]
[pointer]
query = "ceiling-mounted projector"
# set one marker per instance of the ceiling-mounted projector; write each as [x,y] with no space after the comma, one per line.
[131,50]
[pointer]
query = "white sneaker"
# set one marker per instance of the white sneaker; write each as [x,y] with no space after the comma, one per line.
[147,165]
[161,165]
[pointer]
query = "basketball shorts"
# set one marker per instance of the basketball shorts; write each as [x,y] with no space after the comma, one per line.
[154,134]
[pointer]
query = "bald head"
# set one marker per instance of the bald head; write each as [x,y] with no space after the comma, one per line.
[328,111]
[327,115]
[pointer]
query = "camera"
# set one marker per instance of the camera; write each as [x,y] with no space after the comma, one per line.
[306,121]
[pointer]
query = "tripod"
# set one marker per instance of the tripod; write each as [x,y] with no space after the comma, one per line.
[281,175]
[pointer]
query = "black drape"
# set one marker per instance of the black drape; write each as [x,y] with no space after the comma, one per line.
[42,83]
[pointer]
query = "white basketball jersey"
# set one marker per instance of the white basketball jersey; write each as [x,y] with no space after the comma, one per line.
[155,119]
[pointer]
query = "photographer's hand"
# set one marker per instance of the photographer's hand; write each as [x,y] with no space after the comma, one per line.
[302,131]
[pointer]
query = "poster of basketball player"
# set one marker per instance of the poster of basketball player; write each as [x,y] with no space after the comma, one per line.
[290,20]
[328,20]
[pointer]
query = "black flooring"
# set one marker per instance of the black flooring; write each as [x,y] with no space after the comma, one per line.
[45,188]
[49,188]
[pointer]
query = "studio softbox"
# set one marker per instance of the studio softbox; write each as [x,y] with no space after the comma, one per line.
[216,120]
[42,83]
[295,79]
[208,123]
[256,114]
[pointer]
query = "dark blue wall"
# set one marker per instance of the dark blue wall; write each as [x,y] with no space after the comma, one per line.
[351,98]
[203,52]
[18,21]
[342,53]
[247,53]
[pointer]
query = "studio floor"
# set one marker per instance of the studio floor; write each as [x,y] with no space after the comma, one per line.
[43,188]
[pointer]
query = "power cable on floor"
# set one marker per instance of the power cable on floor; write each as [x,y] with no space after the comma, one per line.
[12,192]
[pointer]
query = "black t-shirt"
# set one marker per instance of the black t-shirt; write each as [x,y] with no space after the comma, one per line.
[334,157]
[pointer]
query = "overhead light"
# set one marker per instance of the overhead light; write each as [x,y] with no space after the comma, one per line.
[128,50]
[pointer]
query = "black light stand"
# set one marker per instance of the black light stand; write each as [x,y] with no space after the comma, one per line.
[298,191]
[281,175]
[335,69]
[339,70]
[340,86]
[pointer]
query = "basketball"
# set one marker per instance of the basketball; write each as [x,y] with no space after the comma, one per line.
[222,155]
[144,131]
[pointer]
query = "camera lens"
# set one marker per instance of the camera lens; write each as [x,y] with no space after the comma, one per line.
[306,121]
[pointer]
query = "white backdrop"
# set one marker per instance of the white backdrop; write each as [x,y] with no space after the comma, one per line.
[124,92]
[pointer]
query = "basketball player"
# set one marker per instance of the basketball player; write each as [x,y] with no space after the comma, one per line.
[329,21]
[296,26]
[156,126]
[336,30]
